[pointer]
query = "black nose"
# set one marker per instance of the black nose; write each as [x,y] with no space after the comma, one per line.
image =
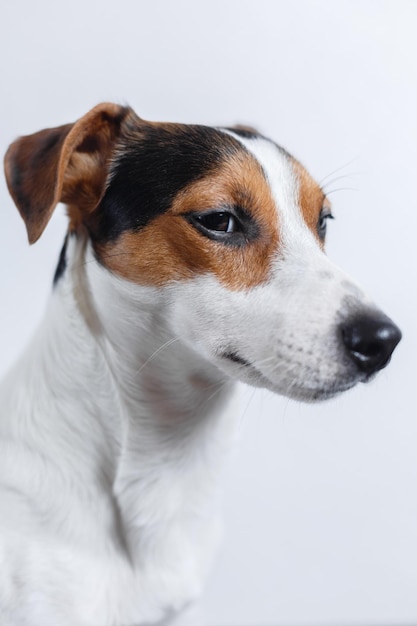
[370,341]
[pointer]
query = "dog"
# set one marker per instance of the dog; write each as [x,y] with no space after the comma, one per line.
[194,258]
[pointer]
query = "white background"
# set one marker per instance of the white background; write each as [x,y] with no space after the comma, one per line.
[321,501]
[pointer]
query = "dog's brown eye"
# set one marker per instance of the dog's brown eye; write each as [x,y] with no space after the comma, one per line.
[219,221]
[234,227]
[322,223]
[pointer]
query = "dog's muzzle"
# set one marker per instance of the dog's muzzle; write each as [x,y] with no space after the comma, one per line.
[370,341]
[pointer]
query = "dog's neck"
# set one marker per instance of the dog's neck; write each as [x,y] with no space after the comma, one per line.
[123,415]
[159,381]
[141,398]
[171,400]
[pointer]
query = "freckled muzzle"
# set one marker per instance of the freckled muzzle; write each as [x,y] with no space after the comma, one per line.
[369,341]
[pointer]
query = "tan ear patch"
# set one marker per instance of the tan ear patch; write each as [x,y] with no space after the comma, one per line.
[64,164]
[169,248]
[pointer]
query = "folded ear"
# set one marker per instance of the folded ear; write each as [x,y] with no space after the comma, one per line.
[245,131]
[65,164]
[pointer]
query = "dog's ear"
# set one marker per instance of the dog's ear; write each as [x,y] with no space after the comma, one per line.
[245,131]
[65,164]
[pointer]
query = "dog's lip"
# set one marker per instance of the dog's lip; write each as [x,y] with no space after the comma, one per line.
[303,392]
[236,358]
[327,393]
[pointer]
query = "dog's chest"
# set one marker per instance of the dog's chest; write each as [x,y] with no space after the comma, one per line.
[127,560]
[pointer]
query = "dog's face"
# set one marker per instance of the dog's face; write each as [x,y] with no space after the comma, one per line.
[230,227]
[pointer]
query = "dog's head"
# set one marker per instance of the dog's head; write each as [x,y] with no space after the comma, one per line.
[229,226]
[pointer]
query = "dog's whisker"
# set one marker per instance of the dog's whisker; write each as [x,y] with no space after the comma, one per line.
[154,354]
[242,417]
[265,361]
[219,388]
[338,169]
[341,189]
[337,178]
[102,257]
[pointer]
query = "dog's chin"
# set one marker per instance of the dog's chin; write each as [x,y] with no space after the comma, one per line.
[301,391]
[319,394]
[329,389]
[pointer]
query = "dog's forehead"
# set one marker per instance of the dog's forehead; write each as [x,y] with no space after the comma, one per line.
[162,172]
[297,195]
[153,164]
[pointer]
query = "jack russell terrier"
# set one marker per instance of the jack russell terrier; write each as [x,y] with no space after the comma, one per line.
[194,258]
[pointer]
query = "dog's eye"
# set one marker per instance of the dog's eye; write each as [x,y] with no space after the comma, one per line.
[322,223]
[233,227]
[218,221]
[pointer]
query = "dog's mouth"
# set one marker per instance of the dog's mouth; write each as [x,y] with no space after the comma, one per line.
[246,371]
[235,358]
[300,390]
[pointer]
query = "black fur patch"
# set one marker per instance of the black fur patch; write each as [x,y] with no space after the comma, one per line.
[244,132]
[156,161]
[62,262]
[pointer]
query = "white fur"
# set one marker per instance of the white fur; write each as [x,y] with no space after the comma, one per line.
[286,328]
[112,426]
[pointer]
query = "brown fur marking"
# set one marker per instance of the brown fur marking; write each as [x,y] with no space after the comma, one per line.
[64,164]
[310,197]
[169,248]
